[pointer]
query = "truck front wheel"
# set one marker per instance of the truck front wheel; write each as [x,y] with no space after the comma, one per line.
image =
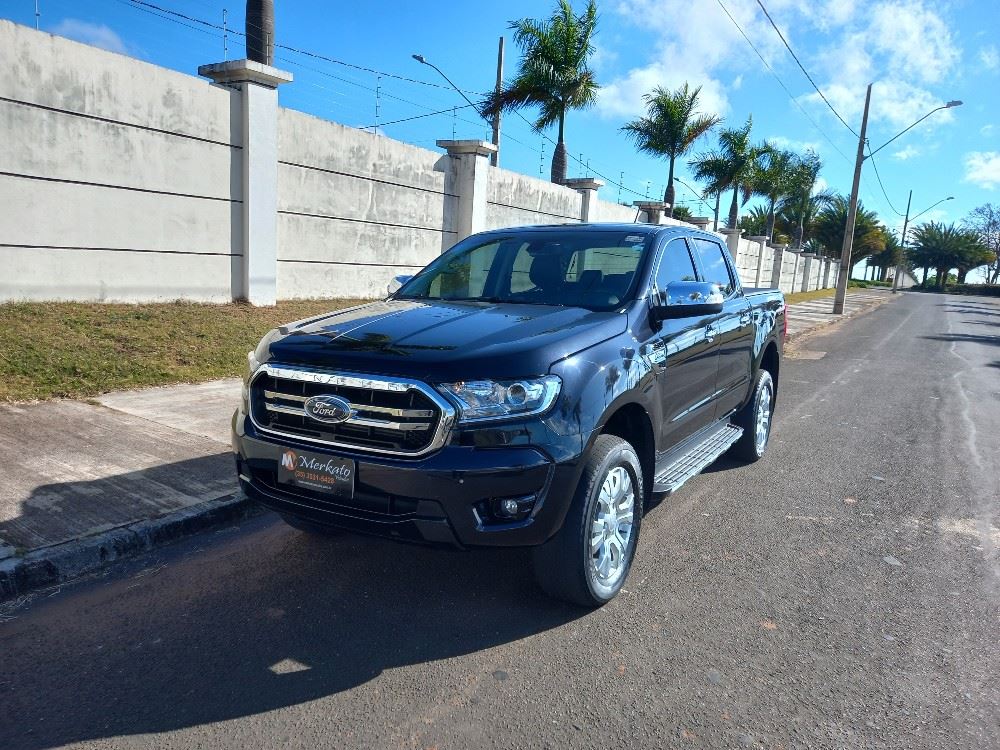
[589,558]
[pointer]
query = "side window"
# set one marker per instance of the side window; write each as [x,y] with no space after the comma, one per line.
[713,265]
[675,265]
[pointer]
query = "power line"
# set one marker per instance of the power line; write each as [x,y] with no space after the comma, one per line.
[781,83]
[803,68]
[450,110]
[872,158]
[143,5]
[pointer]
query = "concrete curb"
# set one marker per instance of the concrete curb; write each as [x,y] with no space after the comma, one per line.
[62,562]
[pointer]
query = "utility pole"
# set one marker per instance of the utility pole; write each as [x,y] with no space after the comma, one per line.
[37,14]
[902,244]
[852,213]
[495,156]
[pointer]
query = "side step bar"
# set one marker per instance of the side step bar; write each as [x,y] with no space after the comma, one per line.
[670,478]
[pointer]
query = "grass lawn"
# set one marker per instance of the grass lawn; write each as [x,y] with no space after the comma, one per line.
[791,299]
[72,350]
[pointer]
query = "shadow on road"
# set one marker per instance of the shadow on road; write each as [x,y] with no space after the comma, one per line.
[971,338]
[256,621]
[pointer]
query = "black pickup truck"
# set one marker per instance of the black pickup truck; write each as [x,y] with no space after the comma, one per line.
[537,386]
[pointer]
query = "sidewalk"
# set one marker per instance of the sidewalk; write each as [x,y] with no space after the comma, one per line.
[85,484]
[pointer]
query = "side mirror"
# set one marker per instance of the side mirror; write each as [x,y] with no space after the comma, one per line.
[396,283]
[688,299]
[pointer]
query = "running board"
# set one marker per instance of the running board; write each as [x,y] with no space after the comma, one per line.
[670,479]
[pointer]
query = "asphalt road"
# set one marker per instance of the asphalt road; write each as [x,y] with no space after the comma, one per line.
[842,593]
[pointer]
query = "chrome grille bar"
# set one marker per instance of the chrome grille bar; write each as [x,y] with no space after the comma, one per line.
[415,413]
[383,424]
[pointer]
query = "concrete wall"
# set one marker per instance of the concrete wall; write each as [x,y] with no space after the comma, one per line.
[124,181]
[516,200]
[119,180]
[355,209]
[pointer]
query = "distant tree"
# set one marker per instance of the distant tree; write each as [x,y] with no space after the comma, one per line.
[984,220]
[669,129]
[944,247]
[732,166]
[889,257]
[683,213]
[553,73]
[754,222]
[798,210]
[773,181]
[869,238]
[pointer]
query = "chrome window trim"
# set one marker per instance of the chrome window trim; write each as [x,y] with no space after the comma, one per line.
[349,380]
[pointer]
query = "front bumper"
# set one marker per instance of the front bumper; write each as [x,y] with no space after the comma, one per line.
[436,499]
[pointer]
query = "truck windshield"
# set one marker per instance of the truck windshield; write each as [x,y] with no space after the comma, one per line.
[595,270]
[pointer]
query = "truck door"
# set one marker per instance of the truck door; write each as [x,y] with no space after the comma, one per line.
[683,354]
[734,328]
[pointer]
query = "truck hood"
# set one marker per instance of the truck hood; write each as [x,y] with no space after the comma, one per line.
[441,341]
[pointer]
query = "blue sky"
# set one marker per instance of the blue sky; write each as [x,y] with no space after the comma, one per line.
[918,53]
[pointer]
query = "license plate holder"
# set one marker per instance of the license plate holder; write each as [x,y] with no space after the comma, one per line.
[320,472]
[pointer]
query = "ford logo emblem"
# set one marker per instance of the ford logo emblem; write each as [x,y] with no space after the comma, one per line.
[328,409]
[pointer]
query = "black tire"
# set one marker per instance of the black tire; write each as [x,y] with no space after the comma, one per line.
[565,566]
[316,529]
[748,448]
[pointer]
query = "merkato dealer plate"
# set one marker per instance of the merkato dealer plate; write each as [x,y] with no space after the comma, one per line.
[317,471]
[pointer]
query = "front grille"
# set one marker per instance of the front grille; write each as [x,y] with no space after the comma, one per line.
[391,416]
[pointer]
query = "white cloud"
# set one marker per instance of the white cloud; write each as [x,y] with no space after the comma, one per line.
[907,153]
[790,144]
[990,57]
[982,168]
[623,96]
[95,34]
[987,129]
[903,45]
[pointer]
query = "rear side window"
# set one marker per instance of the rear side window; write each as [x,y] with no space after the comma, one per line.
[675,264]
[713,264]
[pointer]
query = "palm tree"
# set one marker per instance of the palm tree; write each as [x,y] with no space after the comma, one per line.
[732,166]
[947,246]
[552,74]
[669,129]
[260,30]
[773,181]
[754,222]
[681,213]
[832,220]
[798,209]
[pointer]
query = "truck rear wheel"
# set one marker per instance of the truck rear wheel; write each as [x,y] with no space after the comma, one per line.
[755,419]
[588,560]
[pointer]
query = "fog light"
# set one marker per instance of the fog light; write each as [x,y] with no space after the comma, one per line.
[505,509]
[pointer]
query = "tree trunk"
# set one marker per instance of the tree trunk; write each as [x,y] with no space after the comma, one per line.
[942,276]
[559,156]
[260,31]
[718,200]
[962,272]
[734,209]
[996,274]
[770,222]
[923,282]
[669,195]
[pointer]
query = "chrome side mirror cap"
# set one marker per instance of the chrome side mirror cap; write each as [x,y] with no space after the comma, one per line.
[396,283]
[687,299]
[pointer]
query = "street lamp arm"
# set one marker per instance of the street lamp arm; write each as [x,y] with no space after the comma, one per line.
[914,218]
[949,105]
[422,59]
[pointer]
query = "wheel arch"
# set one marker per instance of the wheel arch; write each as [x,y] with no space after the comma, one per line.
[631,422]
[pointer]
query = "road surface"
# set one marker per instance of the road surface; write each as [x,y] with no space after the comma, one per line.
[842,593]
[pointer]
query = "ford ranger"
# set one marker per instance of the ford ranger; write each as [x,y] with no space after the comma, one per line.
[536,386]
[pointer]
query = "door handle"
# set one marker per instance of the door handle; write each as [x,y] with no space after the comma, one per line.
[745,318]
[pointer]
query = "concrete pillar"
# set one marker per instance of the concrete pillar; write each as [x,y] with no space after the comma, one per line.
[587,188]
[827,265]
[761,244]
[701,222]
[776,264]
[258,85]
[809,259]
[653,210]
[468,175]
[732,241]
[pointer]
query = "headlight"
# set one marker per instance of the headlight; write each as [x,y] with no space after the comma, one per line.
[253,364]
[481,400]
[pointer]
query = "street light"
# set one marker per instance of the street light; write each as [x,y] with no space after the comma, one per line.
[495,122]
[902,239]
[852,210]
